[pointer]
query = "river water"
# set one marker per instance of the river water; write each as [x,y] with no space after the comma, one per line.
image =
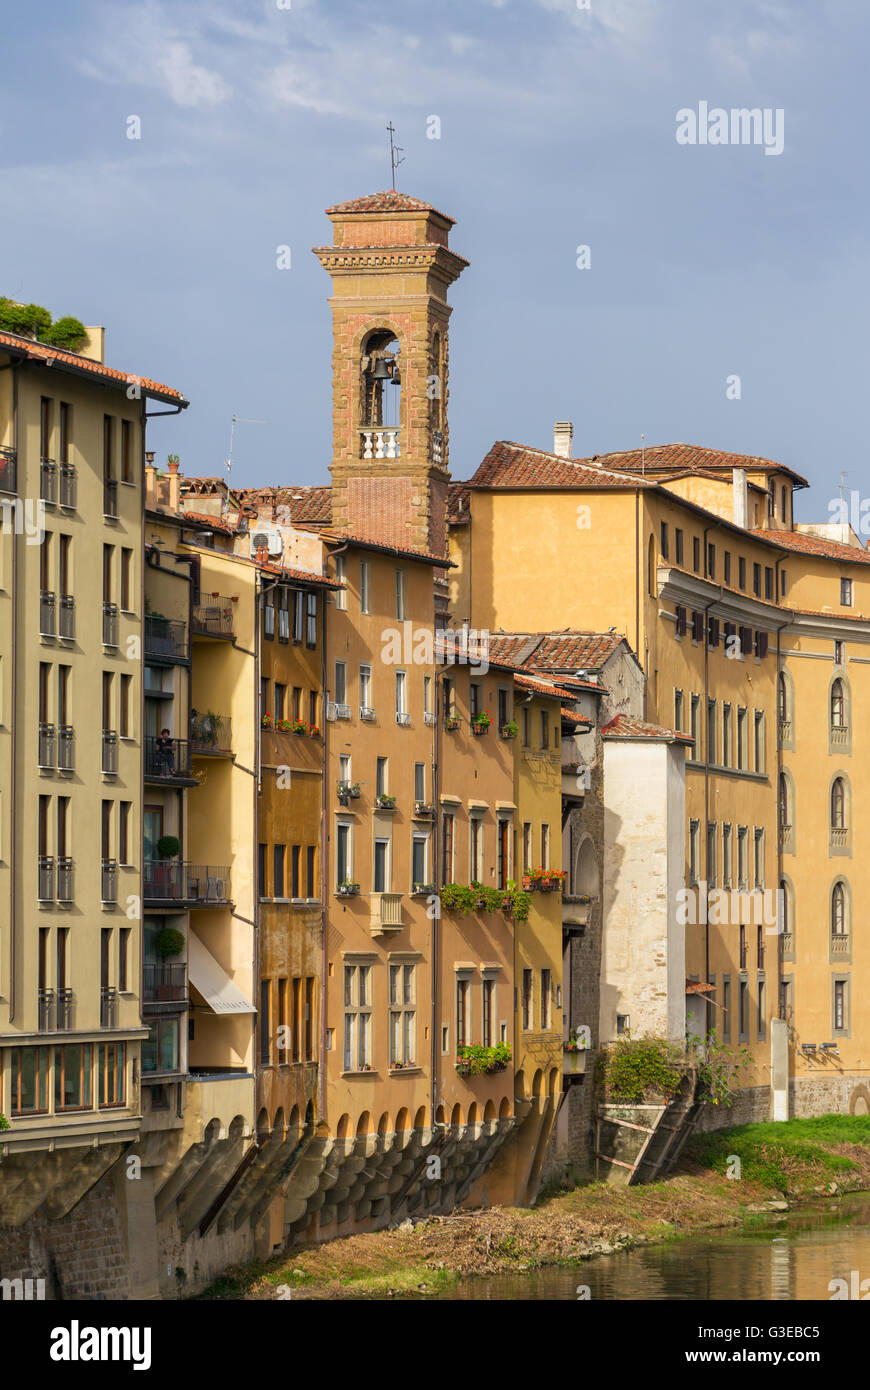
[793,1257]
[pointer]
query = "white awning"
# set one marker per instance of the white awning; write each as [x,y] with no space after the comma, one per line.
[213,982]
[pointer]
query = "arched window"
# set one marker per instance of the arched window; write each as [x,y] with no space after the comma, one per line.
[380,395]
[785,908]
[839,922]
[838,804]
[435,383]
[838,705]
[782,697]
[784,817]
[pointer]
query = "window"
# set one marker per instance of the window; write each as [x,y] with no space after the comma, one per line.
[264,1023]
[846,593]
[311,621]
[758,729]
[357,1017]
[381,788]
[838,653]
[420,782]
[108,447]
[504,708]
[160,1048]
[527,847]
[280,701]
[712,740]
[296,1019]
[545,728]
[123,830]
[664,540]
[261,870]
[546,1000]
[284,616]
[838,705]
[463,1010]
[678,545]
[741,739]
[743,1022]
[126,451]
[726,855]
[711,854]
[725,1012]
[297,702]
[125,706]
[528,1002]
[111,1074]
[726,567]
[343,852]
[678,710]
[298,615]
[768,582]
[419,858]
[312,708]
[309,1018]
[726,735]
[697,626]
[475,826]
[282,1021]
[759,947]
[340,683]
[401,692]
[448,821]
[694,729]
[545,846]
[401,594]
[758,839]
[742,857]
[488,1037]
[295,856]
[474,699]
[741,573]
[403,1015]
[839,1009]
[503,864]
[365,585]
[381,868]
[783,582]
[278,853]
[711,560]
[694,850]
[269,616]
[756,580]
[365,688]
[72,1077]
[696,555]
[28,1080]
[65,416]
[341,576]
[681,624]
[839,926]
[838,804]
[427,694]
[123,959]
[310,863]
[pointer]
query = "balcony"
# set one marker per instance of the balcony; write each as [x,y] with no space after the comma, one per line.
[8,460]
[839,735]
[110,624]
[839,837]
[47,627]
[367,714]
[110,497]
[171,881]
[429,717]
[167,762]
[68,485]
[109,881]
[213,616]
[65,880]
[63,1010]
[786,837]
[452,723]
[341,711]
[48,481]
[380,442]
[108,1007]
[840,943]
[45,1000]
[47,752]
[66,748]
[164,983]
[386,912]
[403,719]
[165,639]
[211,735]
[784,731]
[67,618]
[110,753]
[45,878]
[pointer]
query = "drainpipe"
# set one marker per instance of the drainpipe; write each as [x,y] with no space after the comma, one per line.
[324,876]
[436,879]
[15,741]
[779,946]
[637,593]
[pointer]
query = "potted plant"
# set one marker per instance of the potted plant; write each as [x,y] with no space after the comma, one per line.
[169,943]
[423,808]
[515,902]
[298,726]
[422,890]
[452,722]
[474,1060]
[265,721]
[384,802]
[313,731]
[509,730]
[480,722]
[168,847]
[544,880]
[347,889]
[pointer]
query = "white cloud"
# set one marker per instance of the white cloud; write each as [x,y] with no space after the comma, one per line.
[187,83]
[460,43]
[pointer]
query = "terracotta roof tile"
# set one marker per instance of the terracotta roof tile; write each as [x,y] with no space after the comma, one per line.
[557,652]
[689,458]
[27,348]
[816,545]
[574,716]
[389,201]
[541,687]
[213,522]
[311,505]
[624,726]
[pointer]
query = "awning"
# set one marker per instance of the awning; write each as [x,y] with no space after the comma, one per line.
[212,981]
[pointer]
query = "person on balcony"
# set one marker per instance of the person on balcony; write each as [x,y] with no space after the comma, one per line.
[165,754]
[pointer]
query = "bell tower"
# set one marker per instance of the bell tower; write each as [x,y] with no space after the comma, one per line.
[391,268]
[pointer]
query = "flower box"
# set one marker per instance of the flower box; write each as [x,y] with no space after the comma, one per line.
[422,890]
[509,730]
[385,803]
[452,723]
[423,808]
[347,890]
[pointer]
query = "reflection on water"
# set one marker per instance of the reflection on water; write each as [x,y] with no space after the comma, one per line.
[792,1258]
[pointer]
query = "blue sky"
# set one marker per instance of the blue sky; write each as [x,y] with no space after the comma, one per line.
[557,129]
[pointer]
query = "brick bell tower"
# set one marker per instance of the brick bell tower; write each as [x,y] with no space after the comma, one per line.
[391,269]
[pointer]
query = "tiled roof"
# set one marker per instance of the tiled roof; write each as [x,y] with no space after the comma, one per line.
[59,357]
[571,650]
[389,201]
[214,522]
[574,716]
[305,576]
[624,726]
[373,543]
[457,503]
[815,545]
[514,466]
[541,687]
[311,505]
[689,458]
[203,487]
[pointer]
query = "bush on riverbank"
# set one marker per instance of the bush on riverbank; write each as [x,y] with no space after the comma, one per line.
[789,1156]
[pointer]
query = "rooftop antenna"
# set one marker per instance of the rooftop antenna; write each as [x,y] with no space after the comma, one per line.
[395,151]
[242,420]
[642,456]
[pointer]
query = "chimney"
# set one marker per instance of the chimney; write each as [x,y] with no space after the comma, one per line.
[738,482]
[174,485]
[150,482]
[563,433]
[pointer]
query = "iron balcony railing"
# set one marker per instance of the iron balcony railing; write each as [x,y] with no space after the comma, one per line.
[48,481]
[213,616]
[45,878]
[110,752]
[110,624]
[165,638]
[167,760]
[164,983]
[65,883]
[66,748]
[67,485]
[211,734]
[67,617]
[47,626]
[108,1007]
[8,470]
[45,999]
[170,880]
[64,1010]
[47,757]
[110,497]
[109,881]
